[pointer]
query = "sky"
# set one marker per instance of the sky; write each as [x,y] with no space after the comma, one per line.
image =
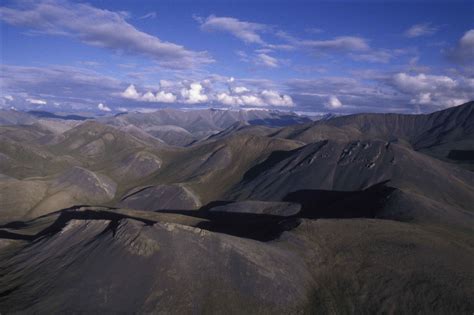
[310,57]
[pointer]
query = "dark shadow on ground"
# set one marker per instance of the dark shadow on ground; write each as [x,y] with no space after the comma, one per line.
[315,204]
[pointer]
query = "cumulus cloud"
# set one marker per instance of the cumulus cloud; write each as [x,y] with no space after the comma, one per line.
[464,50]
[240,89]
[422,82]
[104,108]
[36,101]
[98,27]
[81,89]
[193,94]
[165,97]
[229,100]
[333,102]
[274,98]
[422,29]
[131,93]
[248,98]
[436,90]
[160,96]
[248,32]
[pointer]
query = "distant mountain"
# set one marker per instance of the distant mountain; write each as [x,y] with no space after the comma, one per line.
[436,134]
[13,117]
[44,114]
[183,127]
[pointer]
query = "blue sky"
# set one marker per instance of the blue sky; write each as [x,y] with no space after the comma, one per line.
[303,56]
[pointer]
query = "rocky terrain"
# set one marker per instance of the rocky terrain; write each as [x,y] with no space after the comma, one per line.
[213,211]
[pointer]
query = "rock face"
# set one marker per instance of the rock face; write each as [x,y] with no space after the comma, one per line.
[161,197]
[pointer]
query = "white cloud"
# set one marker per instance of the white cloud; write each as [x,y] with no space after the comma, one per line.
[160,96]
[275,99]
[356,47]
[422,82]
[165,97]
[207,91]
[464,50]
[131,93]
[193,95]
[247,98]
[148,97]
[333,102]
[378,91]
[455,101]
[259,58]
[422,98]
[36,101]
[99,27]
[166,84]
[252,100]
[266,60]
[240,100]
[240,89]
[435,90]
[103,107]
[8,97]
[245,31]
[226,99]
[420,30]
[343,43]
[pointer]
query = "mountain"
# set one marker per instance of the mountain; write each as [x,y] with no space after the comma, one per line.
[178,127]
[13,117]
[446,134]
[213,211]
[44,114]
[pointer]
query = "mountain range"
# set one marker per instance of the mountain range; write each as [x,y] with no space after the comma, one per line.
[211,211]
